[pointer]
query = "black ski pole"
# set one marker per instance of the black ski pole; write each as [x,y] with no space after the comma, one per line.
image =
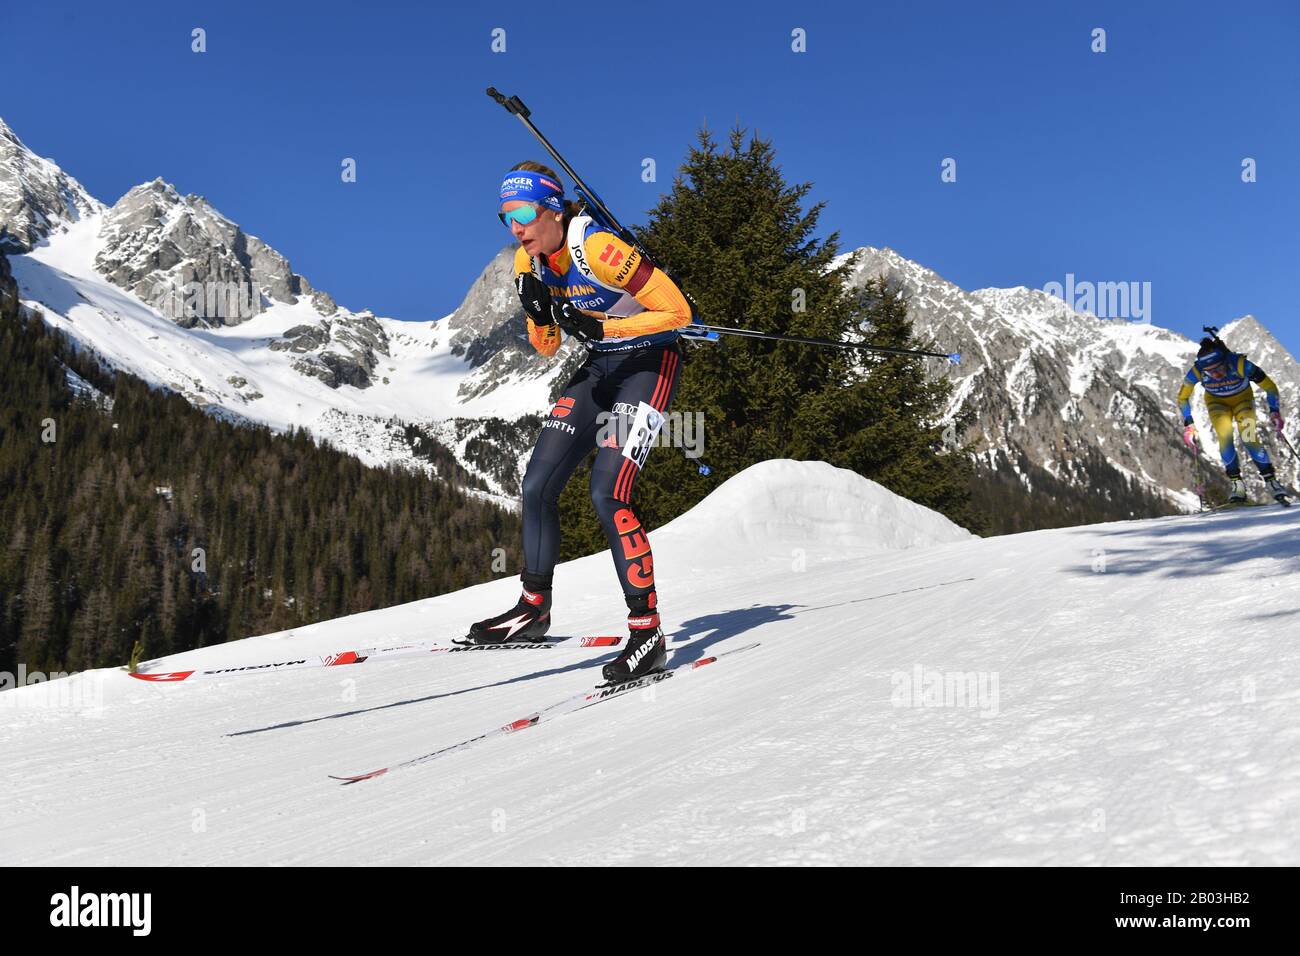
[696,331]
[515,105]
[1198,472]
[595,205]
[953,357]
[1289,447]
[1291,450]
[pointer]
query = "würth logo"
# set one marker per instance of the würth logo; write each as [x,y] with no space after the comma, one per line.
[563,407]
[103,909]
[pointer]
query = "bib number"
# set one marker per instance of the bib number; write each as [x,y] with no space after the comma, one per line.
[641,436]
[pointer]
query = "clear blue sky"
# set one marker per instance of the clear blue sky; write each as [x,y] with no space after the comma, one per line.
[1122,166]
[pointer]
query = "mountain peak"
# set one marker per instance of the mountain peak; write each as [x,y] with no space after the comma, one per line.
[37,198]
[157,242]
[1249,336]
[1246,325]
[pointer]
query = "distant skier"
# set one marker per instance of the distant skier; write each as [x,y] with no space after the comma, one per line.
[571,275]
[1226,378]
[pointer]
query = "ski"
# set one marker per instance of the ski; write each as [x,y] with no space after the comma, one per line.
[362,655]
[588,698]
[1233,506]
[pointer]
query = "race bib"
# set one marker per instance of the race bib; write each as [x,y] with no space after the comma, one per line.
[641,436]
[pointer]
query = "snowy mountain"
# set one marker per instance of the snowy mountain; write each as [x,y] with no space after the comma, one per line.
[916,696]
[37,198]
[163,286]
[1070,393]
[166,287]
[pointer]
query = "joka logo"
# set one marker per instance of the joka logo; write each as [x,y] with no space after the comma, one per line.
[103,909]
[640,573]
[580,257]
[562,407]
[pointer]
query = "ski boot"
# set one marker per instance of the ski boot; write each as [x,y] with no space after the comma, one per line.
[526,622]
[1279,491]
[646,650]
[1238,494]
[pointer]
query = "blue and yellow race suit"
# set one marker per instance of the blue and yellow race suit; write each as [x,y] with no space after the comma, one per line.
[1230,399]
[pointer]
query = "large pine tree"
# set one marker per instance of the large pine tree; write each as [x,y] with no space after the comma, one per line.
[740,240]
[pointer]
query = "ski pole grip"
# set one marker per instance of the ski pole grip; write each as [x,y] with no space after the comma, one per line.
[512,104]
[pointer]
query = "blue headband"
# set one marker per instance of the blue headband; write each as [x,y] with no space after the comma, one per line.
[532,187]
[1212,358]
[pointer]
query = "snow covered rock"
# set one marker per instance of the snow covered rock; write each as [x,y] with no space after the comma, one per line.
[37,198]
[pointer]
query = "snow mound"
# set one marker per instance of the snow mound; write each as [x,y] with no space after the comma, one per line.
[772,508]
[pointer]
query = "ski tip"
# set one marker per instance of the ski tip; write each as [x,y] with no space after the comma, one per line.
[361,776]
[346,657]
[522,723]
[601,640]
[171,677]
[954,358]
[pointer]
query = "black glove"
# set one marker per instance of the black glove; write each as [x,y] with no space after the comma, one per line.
[535,296]
[576,323]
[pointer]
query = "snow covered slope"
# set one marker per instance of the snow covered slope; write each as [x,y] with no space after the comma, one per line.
[917,696]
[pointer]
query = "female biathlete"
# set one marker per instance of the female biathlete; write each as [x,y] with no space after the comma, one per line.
[573,276]
[1227,378]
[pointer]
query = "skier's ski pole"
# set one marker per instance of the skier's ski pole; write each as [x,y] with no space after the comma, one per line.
[595,206]
[1289,447]
[696,332]
[1199,472]
[515,105]
[953,357]
[1196,475]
